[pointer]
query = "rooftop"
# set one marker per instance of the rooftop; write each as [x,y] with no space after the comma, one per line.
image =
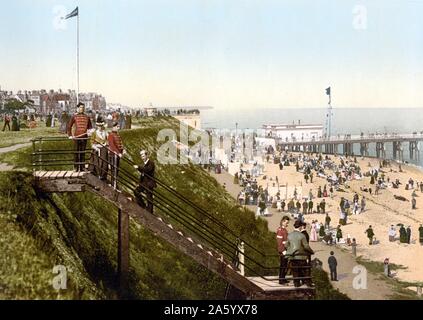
[292,126]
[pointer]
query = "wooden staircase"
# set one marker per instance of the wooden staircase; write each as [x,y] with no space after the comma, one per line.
[251,287]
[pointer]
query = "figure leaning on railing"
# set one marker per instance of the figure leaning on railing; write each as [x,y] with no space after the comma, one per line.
[298,251]
[147,183]
[82,124]
[99,155]
[116,151]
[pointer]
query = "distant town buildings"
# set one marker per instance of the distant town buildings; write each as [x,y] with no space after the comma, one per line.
[43,101]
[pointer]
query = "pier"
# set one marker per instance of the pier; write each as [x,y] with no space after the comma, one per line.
[345,145]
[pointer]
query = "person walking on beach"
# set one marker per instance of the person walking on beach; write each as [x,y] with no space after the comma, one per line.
[403,234]
[282,237]
[355,208]
[347,207]
[355,198]
[311,177]
[421,234]
[408,234]
[413,203]
[343,217]
[370,235]
[325,192]
[392,233]
[342,203]
[322,231]
[333,264]
[338,234]
[386,268]
[305,205]
[298,206]
[327,221]
[323,206]
[291,206]
[313,232]
[354,247]
[310,206]
[363,204]
[377,188]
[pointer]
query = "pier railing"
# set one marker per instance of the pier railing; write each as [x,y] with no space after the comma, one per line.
[383,137]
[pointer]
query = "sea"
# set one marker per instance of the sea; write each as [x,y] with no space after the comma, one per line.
[344,121]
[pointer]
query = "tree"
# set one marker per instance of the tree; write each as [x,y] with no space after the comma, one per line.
[13,105]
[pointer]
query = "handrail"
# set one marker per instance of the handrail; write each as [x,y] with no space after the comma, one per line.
[128,180]
[180,196]
[202,211]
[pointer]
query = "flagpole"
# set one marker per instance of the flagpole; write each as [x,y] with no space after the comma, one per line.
[330,115]
[77,58]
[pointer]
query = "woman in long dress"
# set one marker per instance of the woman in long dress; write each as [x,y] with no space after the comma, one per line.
[99,155]
[313,233]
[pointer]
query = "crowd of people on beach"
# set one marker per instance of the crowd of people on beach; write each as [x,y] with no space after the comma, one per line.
[338,174]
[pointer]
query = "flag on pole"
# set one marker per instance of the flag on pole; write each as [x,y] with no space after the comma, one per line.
[328,91]
[74,13]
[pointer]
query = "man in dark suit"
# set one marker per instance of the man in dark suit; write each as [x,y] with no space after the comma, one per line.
[332,267]
[147,182]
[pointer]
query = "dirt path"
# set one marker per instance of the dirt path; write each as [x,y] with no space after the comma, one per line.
[7,167]
[14,147]
[377,289]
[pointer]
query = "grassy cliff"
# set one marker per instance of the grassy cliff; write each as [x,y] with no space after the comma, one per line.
[79,231]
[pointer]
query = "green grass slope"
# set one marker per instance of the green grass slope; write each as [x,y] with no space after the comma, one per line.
[79,231]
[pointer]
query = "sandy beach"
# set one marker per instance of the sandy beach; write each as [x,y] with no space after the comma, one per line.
[381,212]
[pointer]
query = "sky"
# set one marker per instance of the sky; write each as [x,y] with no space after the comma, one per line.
[234,54]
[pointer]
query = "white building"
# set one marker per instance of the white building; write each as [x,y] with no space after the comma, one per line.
[294,132]
[150,111]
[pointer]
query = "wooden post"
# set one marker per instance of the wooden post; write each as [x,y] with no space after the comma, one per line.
[123,252]
[241,258]
[394,149]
